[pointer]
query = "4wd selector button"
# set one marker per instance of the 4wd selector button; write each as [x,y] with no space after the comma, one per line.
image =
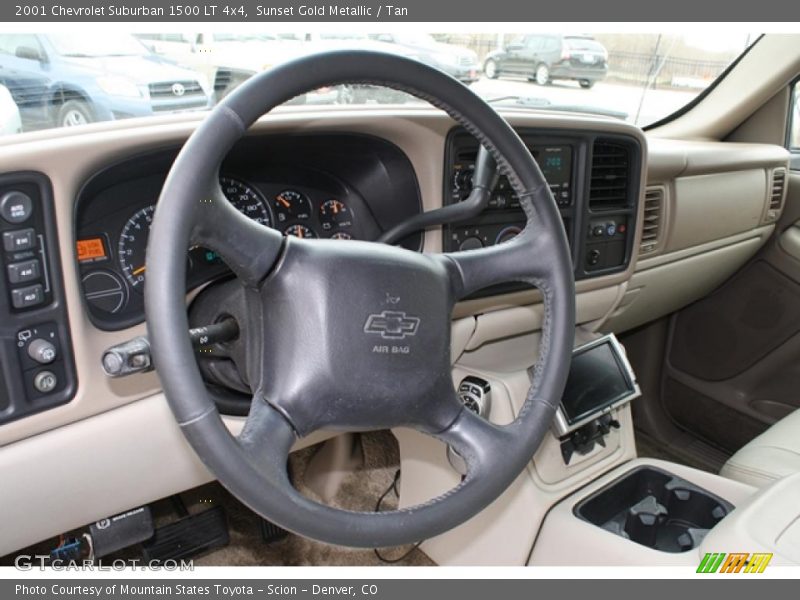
[17,241]
[27,297]
[16,207]
[23,272]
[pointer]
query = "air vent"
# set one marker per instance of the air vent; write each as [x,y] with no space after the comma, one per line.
[610,176]
[653,211]
[776,191]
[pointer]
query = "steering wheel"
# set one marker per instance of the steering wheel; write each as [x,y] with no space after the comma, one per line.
[351,336]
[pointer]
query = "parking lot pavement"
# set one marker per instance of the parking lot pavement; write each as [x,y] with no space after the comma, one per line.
[624,98]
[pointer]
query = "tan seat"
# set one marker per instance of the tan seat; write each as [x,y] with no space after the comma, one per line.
[769,457]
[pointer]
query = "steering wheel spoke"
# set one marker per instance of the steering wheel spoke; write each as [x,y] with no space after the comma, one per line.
[477,441]
[528,257]
[266,437]
[250,249]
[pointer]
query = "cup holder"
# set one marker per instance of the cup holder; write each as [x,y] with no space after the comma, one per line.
[655,509]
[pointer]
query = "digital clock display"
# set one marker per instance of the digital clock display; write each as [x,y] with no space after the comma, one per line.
[555,162]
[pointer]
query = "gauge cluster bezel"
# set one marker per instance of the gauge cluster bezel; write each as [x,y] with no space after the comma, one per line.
[317,167]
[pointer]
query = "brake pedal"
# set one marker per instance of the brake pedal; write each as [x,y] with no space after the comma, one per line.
[188,537]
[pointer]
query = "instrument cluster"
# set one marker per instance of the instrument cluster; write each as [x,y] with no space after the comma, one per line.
[290,210]
[114,225]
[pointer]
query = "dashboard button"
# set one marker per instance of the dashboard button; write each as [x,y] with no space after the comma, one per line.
[27,297]
[42,351]
[16,241]
[23,272]
[16,207]
[471,243]
[45,382]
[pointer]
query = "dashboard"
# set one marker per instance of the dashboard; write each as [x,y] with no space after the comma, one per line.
[353,187]
[385,165]
[349,183]
[594,178]
[338,187]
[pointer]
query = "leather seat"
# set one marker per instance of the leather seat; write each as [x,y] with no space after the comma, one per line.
[771,456]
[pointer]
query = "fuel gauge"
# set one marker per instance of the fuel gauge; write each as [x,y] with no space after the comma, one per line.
[291,205]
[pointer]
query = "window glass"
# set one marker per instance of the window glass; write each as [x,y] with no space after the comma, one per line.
[794,119]
[638,77]
[535,43]
[9,43]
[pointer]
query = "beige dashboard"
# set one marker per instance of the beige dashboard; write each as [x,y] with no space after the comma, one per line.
[714,207]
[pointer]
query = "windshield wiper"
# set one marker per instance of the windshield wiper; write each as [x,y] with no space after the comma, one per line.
[544,103]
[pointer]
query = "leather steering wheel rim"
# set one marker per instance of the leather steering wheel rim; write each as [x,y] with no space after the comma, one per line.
[372,281]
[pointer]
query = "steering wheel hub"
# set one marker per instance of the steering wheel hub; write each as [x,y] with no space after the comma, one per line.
[356,335]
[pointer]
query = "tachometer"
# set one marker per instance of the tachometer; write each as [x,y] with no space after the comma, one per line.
[133,244]
[247,200]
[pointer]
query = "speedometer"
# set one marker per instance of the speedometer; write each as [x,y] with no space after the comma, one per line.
[248,201]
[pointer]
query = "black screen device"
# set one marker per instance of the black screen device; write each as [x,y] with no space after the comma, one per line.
[600,380]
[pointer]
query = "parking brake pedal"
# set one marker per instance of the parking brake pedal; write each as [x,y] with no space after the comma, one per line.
[188,537]
[121,531]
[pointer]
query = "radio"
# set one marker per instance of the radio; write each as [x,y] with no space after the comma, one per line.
[593,179]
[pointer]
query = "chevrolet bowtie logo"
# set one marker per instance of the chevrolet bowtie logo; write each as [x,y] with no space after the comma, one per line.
[392,325]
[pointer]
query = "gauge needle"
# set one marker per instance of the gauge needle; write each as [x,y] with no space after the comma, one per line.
[299,232]
[139,270]
[284,201]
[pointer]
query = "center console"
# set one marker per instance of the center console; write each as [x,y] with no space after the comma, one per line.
[654,508]
[594,180]
[642,512]
[645,512]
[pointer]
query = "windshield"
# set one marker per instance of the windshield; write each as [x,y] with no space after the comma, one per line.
[640,78]
[415,39]
[337,35]
[96,45]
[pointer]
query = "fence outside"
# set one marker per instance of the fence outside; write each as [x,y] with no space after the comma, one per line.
[636,68]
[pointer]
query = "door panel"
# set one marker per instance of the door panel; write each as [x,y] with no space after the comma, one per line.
[733,358]
[790,241]
[519,59]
